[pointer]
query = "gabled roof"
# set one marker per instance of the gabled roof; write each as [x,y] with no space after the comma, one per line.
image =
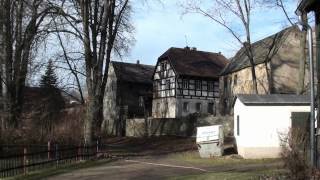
[274,99]
[262,51]
[135,73]
[190,62]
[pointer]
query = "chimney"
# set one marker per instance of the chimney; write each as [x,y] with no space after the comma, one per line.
[194,49]
[138,61]
[187,48]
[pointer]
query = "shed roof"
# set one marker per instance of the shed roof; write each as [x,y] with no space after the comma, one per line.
[274,99]
[135,73]
[263,50]
[191,62]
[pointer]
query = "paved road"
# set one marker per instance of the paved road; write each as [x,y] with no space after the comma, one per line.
[141,169]
[154,168]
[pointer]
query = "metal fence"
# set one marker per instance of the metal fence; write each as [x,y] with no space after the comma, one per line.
[20,159]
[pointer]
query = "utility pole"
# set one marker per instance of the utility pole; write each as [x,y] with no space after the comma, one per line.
[304,7]
[317,34]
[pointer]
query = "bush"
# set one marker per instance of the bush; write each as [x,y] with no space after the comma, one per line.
[67,129]
[295,154]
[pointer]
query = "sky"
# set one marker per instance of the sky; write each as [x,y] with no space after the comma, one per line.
[161,26]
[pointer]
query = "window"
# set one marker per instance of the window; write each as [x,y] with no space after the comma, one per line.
[168,84]
[198,107]
[198,84]
[210,86]
[141,101]
[186,107]
[185,84]
[235,80]
[163,66]
[211,108]
[238,125]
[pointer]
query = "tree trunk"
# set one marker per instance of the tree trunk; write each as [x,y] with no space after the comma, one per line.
[93,116]
[248,51]
[254,80]
[269,76]
[303,58]
[90,115]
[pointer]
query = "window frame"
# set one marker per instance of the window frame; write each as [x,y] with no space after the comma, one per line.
[185,106]
[185,84]
[238,125]
[163,66]
[210,86]
[198,85]
[211,108]
[198,107]
[235,80]
[168,84]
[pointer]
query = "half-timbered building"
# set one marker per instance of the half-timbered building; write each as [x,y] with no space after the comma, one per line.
[186,81]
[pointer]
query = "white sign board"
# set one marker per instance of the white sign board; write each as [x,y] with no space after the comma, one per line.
[208,133]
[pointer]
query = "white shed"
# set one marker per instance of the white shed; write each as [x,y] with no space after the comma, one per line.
[259,121]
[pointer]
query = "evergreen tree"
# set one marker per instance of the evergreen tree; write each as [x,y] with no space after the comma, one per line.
[52,100]
[49,79]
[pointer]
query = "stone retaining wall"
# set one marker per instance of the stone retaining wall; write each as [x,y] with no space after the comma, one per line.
[177,127]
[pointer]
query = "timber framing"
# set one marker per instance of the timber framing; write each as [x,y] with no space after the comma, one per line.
[184,75]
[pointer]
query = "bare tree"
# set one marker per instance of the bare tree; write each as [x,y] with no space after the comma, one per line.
[71,68]
[105,31]
[21,22]
[227,13]
[282,5]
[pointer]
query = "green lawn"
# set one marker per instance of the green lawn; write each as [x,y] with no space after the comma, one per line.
[229,167]
[193,157]
[232,175]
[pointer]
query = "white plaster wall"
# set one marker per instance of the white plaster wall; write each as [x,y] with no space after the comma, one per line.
[261,126]
[111,110]
[192,106]
[164,108]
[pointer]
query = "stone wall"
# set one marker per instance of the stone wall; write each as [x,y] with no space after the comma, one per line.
[136,127]
[177,127]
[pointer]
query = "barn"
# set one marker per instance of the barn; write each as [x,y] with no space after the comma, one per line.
[261,120]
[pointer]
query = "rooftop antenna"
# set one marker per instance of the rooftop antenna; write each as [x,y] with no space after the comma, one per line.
[186,38]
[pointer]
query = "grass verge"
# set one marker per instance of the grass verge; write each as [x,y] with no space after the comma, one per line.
[193,158]
[230,175]
[229,167]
